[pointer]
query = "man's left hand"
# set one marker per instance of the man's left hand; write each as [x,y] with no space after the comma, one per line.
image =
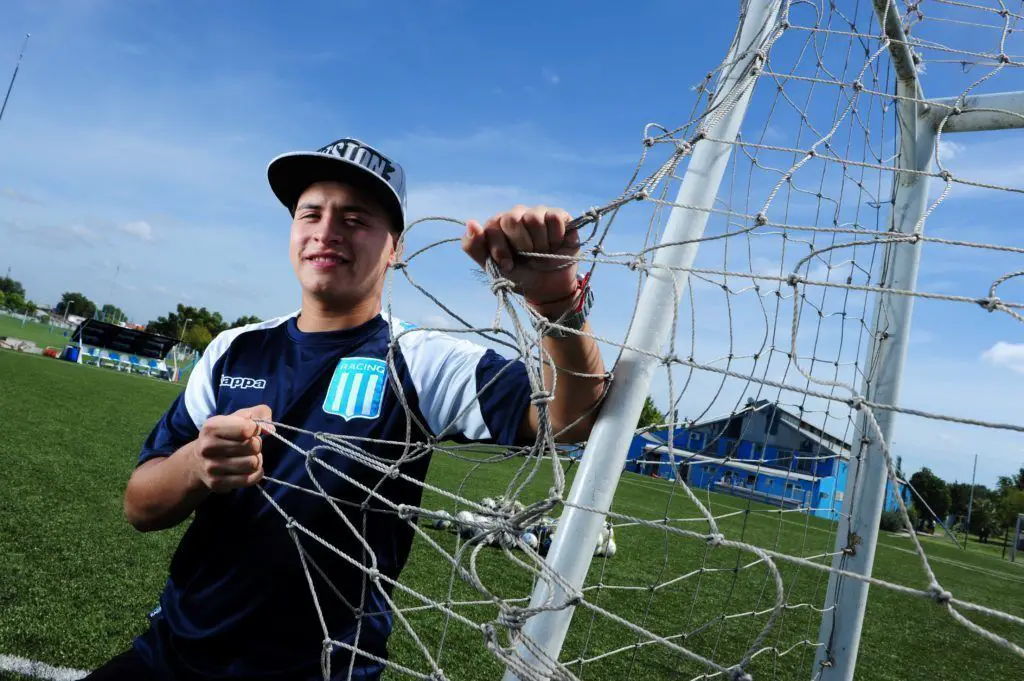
[545,282]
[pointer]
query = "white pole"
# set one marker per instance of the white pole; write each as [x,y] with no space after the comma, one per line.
[594,485]
[857,532]
[970,504]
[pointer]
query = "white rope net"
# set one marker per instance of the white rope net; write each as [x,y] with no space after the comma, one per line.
[718,566]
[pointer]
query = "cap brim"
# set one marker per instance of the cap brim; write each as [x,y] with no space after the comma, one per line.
[292,173]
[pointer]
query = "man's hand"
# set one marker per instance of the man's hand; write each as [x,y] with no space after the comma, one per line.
[544,282]
[229,450]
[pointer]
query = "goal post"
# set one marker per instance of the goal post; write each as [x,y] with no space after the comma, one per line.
[594,486]
[919,122]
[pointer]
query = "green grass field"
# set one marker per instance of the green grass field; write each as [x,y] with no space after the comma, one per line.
[76,581]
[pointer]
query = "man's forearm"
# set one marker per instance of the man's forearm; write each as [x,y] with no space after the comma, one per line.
[579,382]
[163,492]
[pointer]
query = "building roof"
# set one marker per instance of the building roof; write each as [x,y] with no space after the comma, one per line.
[811,432]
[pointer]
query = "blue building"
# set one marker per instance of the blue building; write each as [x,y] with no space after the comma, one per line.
[761,452]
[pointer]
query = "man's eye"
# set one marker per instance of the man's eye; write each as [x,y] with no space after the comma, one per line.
[354,221]
[310,217]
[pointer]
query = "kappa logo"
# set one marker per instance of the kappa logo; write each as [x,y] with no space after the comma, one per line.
[357,388]
[243,383]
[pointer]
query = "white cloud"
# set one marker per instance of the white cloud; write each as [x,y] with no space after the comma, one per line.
[82,233]
[550,76]
[949,150]
[139,229]
[1009,355]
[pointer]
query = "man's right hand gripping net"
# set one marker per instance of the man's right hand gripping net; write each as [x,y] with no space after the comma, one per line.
[721,542]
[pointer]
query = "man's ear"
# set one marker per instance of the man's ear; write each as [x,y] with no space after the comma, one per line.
[397,248]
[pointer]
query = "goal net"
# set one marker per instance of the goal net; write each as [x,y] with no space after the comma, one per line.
[756,275]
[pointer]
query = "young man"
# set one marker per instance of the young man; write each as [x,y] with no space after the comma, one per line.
[237,603]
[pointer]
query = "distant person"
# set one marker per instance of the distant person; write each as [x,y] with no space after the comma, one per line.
[237,604]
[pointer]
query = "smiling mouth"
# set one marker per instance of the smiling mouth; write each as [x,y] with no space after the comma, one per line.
[326,259]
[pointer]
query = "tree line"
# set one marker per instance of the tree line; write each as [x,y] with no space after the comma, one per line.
[195,326]
[992,511]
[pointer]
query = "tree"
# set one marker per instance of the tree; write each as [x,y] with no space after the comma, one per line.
[650,415]
[8,285]
[175,323]
[76,303]
[983,518]
[14,301]
[198,337]
[933,490]
[1008,482]
[112,313]
[1011,504]
[242,321]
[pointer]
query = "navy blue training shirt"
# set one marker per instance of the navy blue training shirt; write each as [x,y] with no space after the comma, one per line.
[237,603]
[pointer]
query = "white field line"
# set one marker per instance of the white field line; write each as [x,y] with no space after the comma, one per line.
[39,670]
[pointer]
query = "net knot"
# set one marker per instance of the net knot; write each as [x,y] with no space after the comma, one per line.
[940,595]
[857,86]
[399,265]
[716,539]
[502,284]
[648,142]
[541,397]
[637,263]
[393,472]
[856,403]
[512,618]
[946,175]
[760,219]
[956,111]
[990,304]
[794,279]
[1004,59]
[405,511]
[738,674]
[684,147]
[641,194]
[373,573]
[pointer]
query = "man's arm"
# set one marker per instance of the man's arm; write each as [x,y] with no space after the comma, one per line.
[579,380]
[227,455]
[164,491]
[551,287]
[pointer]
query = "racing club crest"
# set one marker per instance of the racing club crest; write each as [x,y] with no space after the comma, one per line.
[357,388]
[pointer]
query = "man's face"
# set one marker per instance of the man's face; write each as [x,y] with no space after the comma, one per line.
[341,244]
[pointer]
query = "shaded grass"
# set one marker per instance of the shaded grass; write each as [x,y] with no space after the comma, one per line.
[76,582]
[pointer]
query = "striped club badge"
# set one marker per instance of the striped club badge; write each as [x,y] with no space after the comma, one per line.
[357,388]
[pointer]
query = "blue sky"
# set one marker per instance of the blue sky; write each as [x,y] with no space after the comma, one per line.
[137,137]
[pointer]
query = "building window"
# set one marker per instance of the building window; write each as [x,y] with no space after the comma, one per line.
[750,479]
[758,451]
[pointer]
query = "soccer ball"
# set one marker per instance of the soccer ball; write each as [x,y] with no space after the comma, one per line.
[443,521]
[464,520]
[530,539]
